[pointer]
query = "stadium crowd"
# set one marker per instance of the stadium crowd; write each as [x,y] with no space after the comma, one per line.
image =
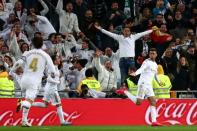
[86,35]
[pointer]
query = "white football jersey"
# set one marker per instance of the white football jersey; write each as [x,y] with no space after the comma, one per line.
[35,62]
[148,70]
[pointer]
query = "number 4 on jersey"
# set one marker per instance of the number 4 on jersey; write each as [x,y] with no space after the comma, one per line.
[33,64]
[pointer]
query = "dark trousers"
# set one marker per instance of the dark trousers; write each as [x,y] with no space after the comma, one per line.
[125,63]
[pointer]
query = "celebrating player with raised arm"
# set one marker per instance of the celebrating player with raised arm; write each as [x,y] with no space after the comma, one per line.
[34,62]
[148,72]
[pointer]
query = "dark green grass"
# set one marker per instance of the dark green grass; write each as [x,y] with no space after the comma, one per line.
[99,128]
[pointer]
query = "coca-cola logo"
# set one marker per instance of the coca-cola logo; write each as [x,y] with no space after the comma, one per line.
[175,113]
[8,118]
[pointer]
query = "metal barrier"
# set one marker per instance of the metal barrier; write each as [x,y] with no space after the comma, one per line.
[173,94]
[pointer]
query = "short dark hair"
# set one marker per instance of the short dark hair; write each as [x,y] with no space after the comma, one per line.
[21,46]
[153,49]
[39,33]
[89,72]
[51,35]
[37,42]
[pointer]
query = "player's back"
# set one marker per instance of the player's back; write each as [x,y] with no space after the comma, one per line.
[35,64]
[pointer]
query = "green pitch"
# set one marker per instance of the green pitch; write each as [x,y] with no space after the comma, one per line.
[100,128]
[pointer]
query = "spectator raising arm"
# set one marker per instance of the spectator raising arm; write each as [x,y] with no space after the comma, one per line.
[59,7]
[45,10]
[113,35]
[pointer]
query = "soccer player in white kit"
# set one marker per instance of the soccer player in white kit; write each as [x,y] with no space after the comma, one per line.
[34,62]
[51,93]
[148,71]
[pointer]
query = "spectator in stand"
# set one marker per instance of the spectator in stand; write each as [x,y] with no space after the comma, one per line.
[63,45]
[147,4]
[16,29]
[79,8]
[87,25]
[48,44]
[99,9]
[17,47]
[126,46]
[38,23]
[68,20]
[4,11]
[184,11]
[161,7]
[182,77]
[193,22]
[78,70]
[141,49]
[68,44]
[144,16]
[85,52]
[114,58]
[42,12]
[20,12]
[188,39]
[115,16]
[106,74]
[169,62]
[30,27]
[24,47]
[191,56]
[158,20]
[177,26]
[9,61]
[4,50]
[9,22]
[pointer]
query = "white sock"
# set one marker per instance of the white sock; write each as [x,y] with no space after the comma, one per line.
[130,96]
[60,114]
[39,104]
[153,113]
[25,105]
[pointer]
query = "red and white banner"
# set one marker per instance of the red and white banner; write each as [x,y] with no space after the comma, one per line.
[104,112]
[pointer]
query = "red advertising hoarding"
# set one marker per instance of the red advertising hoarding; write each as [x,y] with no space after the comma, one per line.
[104,112]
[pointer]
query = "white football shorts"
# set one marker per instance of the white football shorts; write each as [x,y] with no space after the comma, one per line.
[144,90]
[51,95]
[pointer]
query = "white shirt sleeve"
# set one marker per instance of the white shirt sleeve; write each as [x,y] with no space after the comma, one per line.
[97,64]
[139,35]
[59,7]
[76,24]
[44,5]
[141,69]
[113,35]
